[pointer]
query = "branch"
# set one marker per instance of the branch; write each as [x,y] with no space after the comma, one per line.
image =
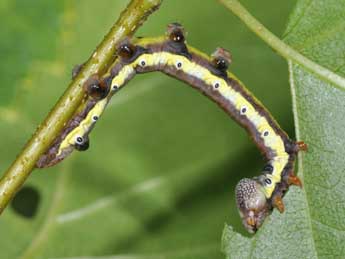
[282,48]
[130,19]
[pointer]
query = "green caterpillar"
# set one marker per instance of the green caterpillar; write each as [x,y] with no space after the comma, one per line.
[255,197]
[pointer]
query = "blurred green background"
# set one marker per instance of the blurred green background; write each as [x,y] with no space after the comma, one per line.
[159,177]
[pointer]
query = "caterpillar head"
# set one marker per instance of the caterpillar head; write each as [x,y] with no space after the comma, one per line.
[251,203]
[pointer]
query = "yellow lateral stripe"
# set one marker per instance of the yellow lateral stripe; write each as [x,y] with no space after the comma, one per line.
[270,138]
[121,77]
[84,125]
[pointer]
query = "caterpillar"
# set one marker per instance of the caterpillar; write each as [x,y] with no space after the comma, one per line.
[256,197]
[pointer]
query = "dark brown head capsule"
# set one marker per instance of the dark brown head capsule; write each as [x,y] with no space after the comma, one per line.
[96,88]
[221,59]
[176,33]
[126,49]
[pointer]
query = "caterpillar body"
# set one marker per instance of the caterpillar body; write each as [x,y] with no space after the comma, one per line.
[255,197]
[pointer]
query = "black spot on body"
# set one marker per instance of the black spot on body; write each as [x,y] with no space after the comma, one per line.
[80,140]
[221,64]
[268,168]
[221,59]
[177,36]
[176,32]
[82,146]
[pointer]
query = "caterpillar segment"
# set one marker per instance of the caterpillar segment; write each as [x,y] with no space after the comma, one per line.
[170,54]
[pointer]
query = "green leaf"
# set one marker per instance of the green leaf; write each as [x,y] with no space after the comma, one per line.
[158,180]
[313,225]
[24,27]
